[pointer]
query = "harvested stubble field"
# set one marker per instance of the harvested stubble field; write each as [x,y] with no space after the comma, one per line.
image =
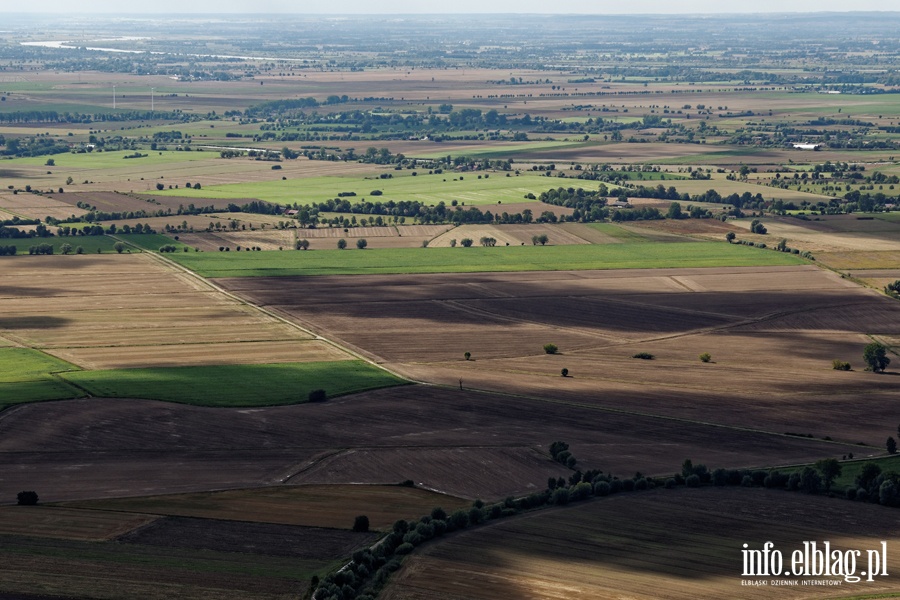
[330,506]
[682,544]
[110,311]
[510,235]
[325,238]
[749,319]
[462,443]
[32,206]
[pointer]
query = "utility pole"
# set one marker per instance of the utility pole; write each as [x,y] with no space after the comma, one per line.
[114,97]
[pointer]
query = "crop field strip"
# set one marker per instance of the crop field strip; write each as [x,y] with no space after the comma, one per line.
[597,550]
[635,255]
[107,313]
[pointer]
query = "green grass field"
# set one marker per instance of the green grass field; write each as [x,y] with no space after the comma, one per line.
[850,470]
[90,243]
[235,385]
[28,376]
[629,255]
[430,189]
[111,160]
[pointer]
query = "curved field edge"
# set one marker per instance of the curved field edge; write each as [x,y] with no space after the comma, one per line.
[236,385]
[637,255]
[626,546]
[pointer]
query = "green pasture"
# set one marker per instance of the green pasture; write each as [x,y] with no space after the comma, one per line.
[235,385]
[629,255]
[430,189]
[850,470]
[27,375]
[112,160]
[494,150]
[92,244]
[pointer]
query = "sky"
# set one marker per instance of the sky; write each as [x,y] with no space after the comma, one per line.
[456,6]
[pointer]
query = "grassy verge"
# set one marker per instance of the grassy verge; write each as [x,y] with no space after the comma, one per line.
[235,385]
[638,255]
[27,376]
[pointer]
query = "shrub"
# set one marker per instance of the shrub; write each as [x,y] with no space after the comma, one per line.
[643,355]
[317,396]
[466,242]
[560,496]
[341,244]
[404,548]
[301,244]
[551,348]
[564,372]
[642,484]
[839,365]
[79,250]
[119,247]
[27,498]
[361,243]
[670,483]
[602,488]
[628,485]
[467,355]
[361,524]
[692,480]
[438,513]
[705,357]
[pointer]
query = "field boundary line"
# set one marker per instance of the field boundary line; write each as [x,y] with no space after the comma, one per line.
[203,281]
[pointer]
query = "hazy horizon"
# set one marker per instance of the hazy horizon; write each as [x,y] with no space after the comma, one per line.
[411,7]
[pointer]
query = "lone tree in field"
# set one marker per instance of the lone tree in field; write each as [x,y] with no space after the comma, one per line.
[466,242]
[891,446]
[875,357]
[361,243]
[468,355]
[301,244]
[730,236]
[27,498]
[564,372]
[341,244]
[830,469]
[361,524]
[119,247]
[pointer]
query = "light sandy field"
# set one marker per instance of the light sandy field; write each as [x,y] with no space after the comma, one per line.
[815,238]
[322,238]
[508,235]
[33,206]
[111,311]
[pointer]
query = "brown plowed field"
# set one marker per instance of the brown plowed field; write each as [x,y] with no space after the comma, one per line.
[772,333]
[473,444]
[680,545]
